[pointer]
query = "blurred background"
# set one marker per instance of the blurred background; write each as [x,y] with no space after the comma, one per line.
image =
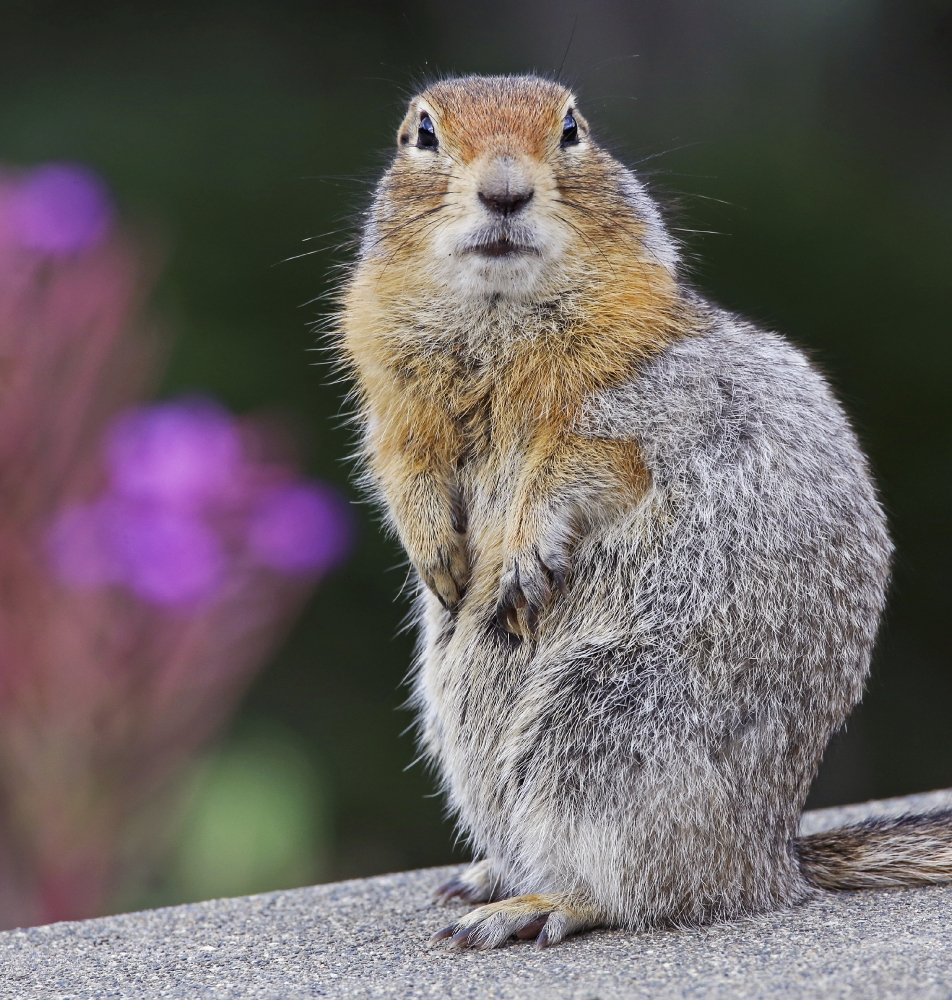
[804,152]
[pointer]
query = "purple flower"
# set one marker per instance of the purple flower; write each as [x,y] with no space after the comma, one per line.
[183,454]
[169,557]
[165,556]
[182,496]
[60,208]
[305,529]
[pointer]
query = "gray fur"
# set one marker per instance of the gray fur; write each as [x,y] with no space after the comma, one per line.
[642,754]
[655,238]
[650,749]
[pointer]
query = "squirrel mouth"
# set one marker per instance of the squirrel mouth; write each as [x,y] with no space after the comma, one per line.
[502,248]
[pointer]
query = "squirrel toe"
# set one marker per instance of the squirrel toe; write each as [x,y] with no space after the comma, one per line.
[475,884]
[547,918]
[528,584]
[447,572]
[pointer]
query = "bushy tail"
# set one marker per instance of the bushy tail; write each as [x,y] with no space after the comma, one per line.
[881,853]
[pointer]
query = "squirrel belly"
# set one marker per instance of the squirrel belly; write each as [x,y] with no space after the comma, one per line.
[651,557]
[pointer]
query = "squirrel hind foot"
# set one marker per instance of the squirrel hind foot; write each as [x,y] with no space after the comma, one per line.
[548,918]
[478,883]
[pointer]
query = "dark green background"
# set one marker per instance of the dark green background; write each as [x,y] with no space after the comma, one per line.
[812,136]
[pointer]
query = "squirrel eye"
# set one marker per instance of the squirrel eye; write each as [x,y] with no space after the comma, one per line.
[426,134]
[569,131]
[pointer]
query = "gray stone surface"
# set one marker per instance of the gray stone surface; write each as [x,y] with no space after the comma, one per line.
[368,938]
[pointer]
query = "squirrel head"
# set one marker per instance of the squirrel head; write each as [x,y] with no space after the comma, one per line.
[498,190]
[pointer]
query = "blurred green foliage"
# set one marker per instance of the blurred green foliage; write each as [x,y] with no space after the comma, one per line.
[812,139]
[255,820]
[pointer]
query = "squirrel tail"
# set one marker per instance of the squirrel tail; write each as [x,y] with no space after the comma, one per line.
[880,853]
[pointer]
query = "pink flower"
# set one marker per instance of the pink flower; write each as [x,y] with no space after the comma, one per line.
[164,556]
[168,557]
[305,528]
[183,454]
[185,509]
[106,696]
[59,209]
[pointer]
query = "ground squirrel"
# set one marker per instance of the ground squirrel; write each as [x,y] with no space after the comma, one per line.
[651,558]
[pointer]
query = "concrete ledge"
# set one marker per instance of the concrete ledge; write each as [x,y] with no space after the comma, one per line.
[367,938]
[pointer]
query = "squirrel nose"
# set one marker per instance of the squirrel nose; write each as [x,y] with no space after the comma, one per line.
[505,203]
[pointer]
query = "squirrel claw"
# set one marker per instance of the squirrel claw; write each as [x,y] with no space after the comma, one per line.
[547,918]
[528,585]
[461,939]
[447,574]
[533,930]
[454,889]
[443,934]
[457,888]
[475,884]
[507,611]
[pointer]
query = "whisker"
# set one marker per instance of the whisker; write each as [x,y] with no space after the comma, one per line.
[298,256]
[409,222]
[611,223]
[320,236]
[585,236]
[394,251]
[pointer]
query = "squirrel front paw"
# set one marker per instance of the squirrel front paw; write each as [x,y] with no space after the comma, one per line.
[445,570]
[528,583]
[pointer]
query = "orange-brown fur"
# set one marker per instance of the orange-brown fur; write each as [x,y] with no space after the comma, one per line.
[426,399]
